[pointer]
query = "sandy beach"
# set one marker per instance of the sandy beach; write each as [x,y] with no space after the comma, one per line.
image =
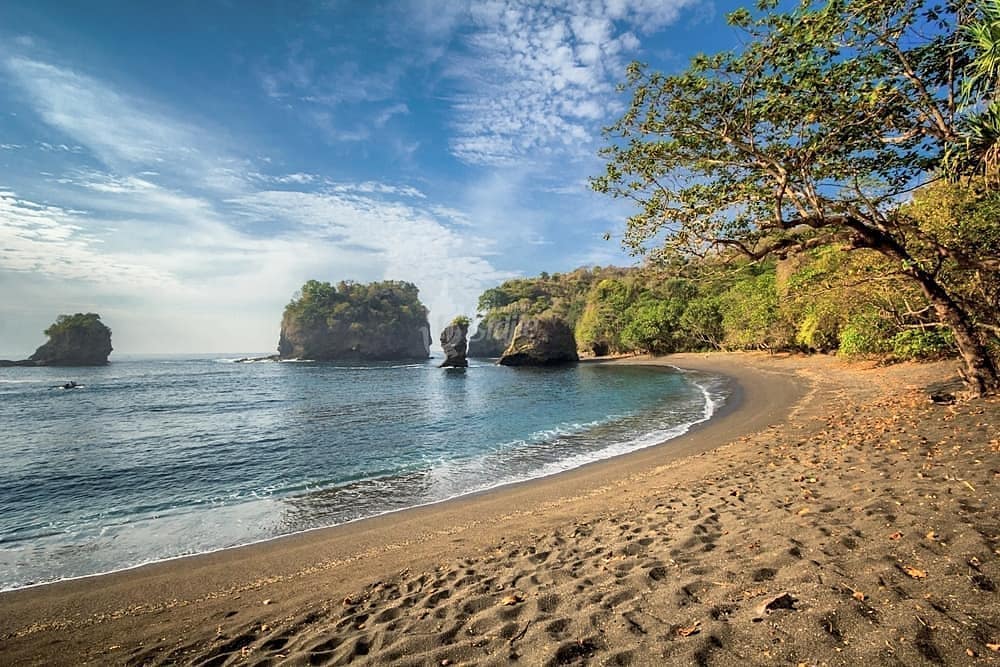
[830,515]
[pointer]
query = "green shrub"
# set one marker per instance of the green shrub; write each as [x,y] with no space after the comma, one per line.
[923,343]
[819,330]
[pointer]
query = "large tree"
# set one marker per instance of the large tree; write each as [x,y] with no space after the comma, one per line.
[813,132]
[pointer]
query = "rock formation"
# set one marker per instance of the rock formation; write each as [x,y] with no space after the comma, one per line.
[492,336]
[381,321]
[453,342]
[540,341]
[74,340]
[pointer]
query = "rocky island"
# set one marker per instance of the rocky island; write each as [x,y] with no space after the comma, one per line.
[74,340]
[454,343]
[379,321]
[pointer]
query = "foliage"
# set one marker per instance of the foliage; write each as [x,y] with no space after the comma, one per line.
[805,137]
[923,343]
[378,308]
[650,327]
[65,324]
[462,321]
[865,335]
[749,312]
[977,151]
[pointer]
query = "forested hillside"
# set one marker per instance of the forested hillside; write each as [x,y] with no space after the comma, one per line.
[827,299]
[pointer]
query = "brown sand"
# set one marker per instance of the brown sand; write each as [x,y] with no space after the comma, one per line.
[835,516]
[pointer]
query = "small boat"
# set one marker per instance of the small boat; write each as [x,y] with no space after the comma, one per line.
[68,385]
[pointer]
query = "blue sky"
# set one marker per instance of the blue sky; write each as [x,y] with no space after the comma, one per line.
[182,167]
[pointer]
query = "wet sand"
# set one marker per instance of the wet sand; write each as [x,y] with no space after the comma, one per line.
[830,515]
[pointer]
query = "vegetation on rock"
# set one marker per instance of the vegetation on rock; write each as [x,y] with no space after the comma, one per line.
[351,321]
[75,340]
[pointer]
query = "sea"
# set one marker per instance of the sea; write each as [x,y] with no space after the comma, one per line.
[150,459]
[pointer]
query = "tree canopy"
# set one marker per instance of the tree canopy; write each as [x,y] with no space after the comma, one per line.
[811,134]
[78,321]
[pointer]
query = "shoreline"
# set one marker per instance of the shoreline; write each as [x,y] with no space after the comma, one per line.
[731,402]
[612,560]
[116,587]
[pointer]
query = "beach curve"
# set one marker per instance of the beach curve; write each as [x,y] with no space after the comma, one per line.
[479,579]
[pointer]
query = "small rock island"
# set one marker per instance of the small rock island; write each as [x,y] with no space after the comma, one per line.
[379,321]
[540,341]
[454,342]
[74,340]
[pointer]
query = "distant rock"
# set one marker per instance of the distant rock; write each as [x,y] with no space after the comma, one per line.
[253,360]
[540,341]
[492,336]
[381,321]
[7,363]
[453,342]
[74,340]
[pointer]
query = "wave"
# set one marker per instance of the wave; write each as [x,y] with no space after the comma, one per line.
[301,504]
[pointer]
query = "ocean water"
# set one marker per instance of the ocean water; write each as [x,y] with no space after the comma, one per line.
[158,458]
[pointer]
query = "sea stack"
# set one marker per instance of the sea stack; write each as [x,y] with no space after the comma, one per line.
[380,321]
[74,340]
[454,343]
[540,341]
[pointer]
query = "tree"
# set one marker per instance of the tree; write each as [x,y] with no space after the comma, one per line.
[978,149]
[650,327]
[808,135]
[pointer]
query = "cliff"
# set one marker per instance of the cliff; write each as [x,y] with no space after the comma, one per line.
[561,295]
[74,340]
[493,335]
[381,321]
[540,341]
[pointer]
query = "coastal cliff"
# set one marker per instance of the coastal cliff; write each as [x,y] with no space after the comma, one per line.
[380,321]
[492,336]
[74,340]
[540,341]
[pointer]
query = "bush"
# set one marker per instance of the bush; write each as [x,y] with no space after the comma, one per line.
[923,343]
[865,335]
[819,330]
[650,328]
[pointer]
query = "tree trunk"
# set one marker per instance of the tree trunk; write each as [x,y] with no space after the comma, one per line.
[980,370]
[981,373]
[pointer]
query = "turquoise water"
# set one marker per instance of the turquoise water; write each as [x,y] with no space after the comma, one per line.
[157,458]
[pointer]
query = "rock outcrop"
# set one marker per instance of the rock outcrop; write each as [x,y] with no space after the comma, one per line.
[381,321]
[74,340]
[453,342]
[540,341]
[492,336]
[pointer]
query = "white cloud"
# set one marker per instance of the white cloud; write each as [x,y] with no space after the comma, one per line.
[386,114]
[58,242]
[373,187]
[298,178]
[537,79]
[110,124]
[403,242]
